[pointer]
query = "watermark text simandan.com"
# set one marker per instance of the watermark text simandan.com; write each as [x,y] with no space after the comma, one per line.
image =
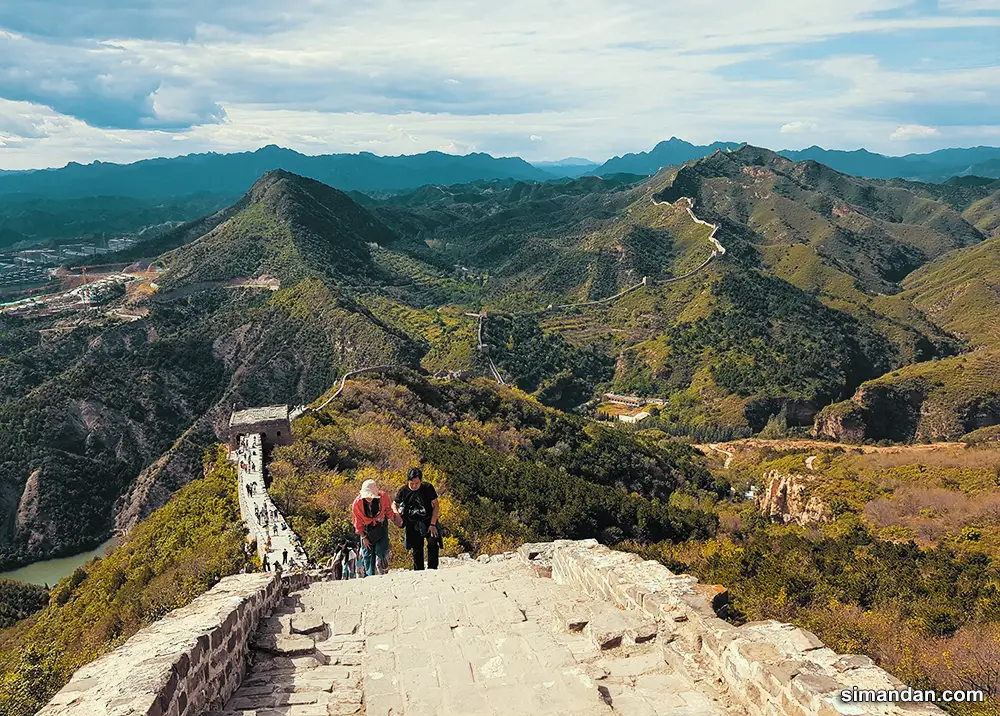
[857,696]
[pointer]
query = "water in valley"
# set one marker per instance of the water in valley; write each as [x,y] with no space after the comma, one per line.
[52,570]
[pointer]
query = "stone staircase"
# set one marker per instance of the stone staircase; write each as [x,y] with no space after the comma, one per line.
[561,628]
[469,639]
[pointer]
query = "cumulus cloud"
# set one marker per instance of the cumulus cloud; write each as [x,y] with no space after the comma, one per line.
[604,79]
[105,85]
[798,127]
[907,132]
[535,138]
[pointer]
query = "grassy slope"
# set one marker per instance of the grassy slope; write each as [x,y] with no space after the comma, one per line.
[948,398]
[961,292]
[985,214]
[165,562]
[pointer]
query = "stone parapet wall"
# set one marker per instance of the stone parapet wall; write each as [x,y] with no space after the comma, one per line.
[190,661]
[773,668]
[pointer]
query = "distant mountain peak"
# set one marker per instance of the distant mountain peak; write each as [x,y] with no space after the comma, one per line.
[287,226]
[666,153]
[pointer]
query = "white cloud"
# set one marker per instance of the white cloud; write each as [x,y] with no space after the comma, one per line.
[970,5]
[908,132]
[798,127]
[599,77]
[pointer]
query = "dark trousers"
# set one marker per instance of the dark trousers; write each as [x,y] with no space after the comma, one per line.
[415,543]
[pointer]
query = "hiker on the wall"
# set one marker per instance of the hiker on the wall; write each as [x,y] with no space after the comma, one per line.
[372,511]
[417,504]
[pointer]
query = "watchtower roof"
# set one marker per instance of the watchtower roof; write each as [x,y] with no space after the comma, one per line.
[251,416]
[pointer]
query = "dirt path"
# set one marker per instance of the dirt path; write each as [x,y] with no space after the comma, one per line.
[757,444]
[733,448]
[727,453]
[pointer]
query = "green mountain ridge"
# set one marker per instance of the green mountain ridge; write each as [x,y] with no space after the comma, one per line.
[828,245]
[937,166]
[829,282]
[291,228]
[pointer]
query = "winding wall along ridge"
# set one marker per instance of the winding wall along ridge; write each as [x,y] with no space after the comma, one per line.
[718,250]
[264,521]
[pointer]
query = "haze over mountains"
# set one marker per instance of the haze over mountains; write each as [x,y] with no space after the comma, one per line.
[232,174]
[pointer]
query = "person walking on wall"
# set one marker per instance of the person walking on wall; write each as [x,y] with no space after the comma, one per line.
[417,504]
[372,510]
[350,568]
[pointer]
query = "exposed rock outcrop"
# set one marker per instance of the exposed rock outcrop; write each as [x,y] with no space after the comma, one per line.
[786,499]
[26,521]
[841,421]
[935,400]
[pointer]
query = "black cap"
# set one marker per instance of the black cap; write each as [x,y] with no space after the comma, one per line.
[414,473]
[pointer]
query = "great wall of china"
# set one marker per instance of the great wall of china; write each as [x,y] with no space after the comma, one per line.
[568,627]
[558,628]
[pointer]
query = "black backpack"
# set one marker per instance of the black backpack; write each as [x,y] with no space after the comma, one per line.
[376,531]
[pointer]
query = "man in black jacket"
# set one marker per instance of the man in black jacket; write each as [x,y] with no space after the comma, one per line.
[417,503]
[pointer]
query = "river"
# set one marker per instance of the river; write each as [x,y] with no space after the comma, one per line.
[52,570]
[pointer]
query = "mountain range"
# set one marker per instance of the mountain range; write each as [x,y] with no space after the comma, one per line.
[232,174]
[865,309]
[935,166]
[750,293]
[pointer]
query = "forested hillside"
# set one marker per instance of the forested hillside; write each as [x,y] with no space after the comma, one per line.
[102,422]
[508,469]
[33,221]
[181,551]
[806,305]
[828,284]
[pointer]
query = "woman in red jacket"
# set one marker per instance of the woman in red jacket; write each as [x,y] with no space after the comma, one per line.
[372,511]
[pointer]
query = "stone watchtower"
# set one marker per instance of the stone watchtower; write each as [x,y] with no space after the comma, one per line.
[271,422]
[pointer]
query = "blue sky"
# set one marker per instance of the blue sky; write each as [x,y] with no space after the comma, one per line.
[118,81]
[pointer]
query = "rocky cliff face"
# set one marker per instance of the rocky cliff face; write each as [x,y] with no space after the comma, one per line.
[841,421]
[874,412]
[786,499]
[944,405]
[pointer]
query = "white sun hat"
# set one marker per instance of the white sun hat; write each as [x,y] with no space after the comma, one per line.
[369,489]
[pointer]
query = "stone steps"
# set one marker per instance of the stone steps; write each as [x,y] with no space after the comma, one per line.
[480,639]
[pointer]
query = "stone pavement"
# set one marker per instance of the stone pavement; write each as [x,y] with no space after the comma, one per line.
[271,525]
[469,639]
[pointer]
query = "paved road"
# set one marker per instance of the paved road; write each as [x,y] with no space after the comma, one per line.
[472,640]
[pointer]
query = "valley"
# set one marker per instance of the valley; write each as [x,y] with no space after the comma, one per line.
[815,354]
[744,291]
